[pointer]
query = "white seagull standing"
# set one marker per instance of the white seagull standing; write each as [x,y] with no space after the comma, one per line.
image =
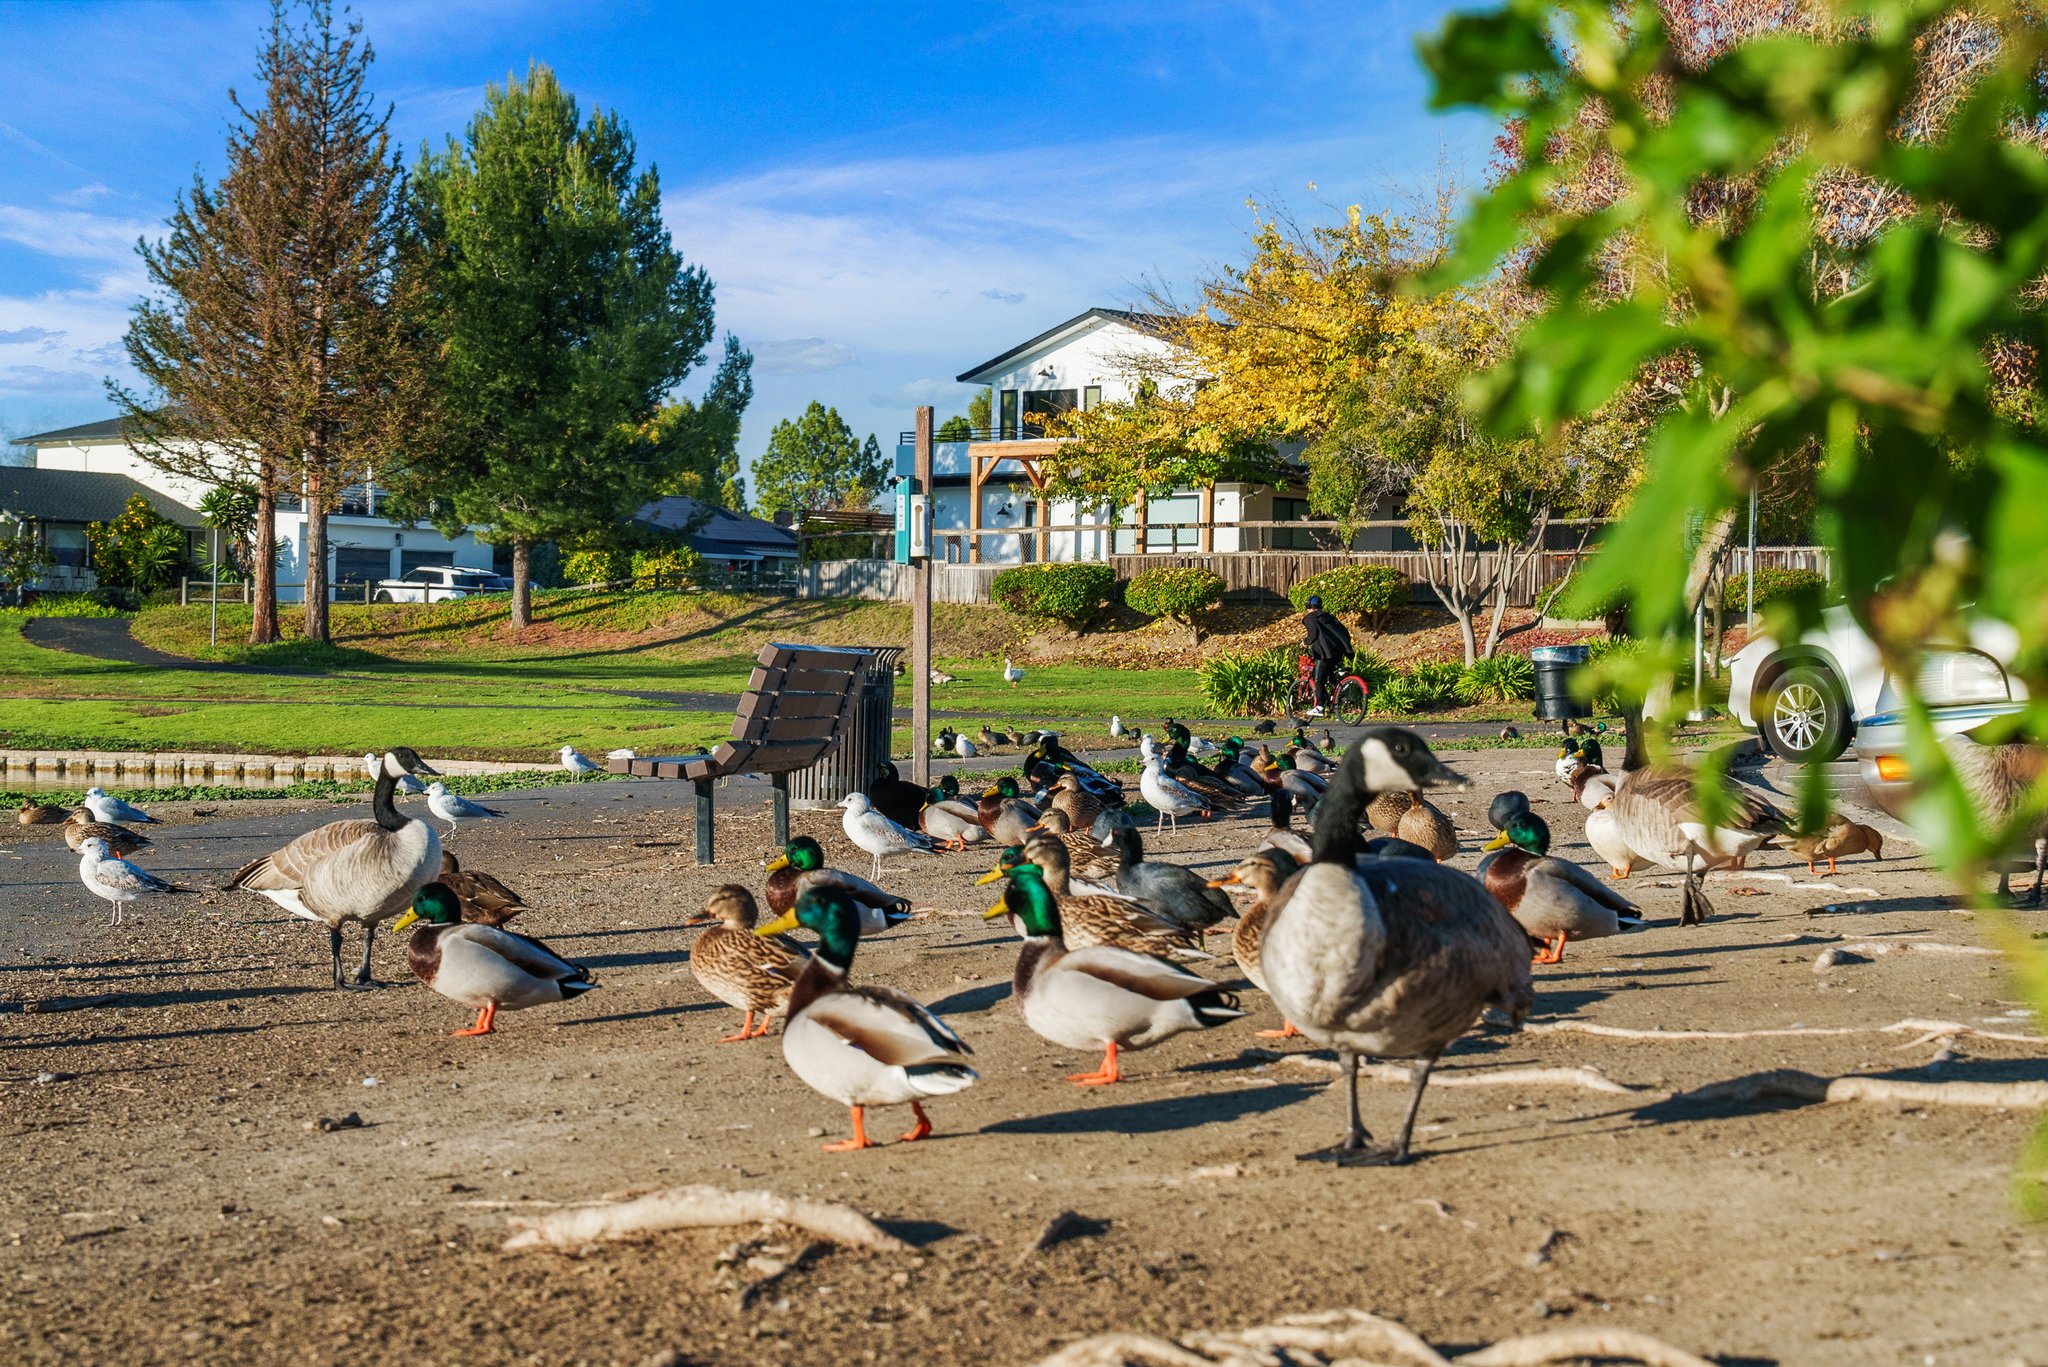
[964,747]
[1169,797]
[877,834]
[1116,727]
[1011,674]
[455,810]
[578,763]
[373,765]
[117,880]
[113,809]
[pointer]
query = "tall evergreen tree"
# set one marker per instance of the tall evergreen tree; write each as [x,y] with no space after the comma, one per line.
[561,316]
[814,461]
[274,350]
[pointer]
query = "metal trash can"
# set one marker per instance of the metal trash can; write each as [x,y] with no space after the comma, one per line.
[1554,666]
[851,765]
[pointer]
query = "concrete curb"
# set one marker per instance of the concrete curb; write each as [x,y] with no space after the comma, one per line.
[140,768]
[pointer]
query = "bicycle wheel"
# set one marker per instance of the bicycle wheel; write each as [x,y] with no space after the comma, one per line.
[1351,693]
[1301,698]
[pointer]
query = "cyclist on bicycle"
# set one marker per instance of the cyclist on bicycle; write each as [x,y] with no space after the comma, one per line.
[1329,646]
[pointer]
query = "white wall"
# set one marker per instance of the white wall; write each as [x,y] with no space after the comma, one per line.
[116,459]
[1098,352]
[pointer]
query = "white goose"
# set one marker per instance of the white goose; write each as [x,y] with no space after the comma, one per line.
[877,834]
[117,880]
[353,871]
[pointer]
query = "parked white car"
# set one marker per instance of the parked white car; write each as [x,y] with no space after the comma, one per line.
[1807,699]
[440,584]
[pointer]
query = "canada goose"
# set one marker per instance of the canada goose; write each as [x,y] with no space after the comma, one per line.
[1264,871]
[862,1046]
[1552,899]
[79,827]
[738,967]
[1169,797]
[483,966]
[2000,779]
[1097,918]
[363,872]
[1102,996]
[37,814]
[1396,958]
[800,866]
[117,880]
[1657,815]
[576,762]
[877,834]
[484,900]
[114,811]
[1838,839]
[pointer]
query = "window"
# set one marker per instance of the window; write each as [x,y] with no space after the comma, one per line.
[1008,430]
[361,565]
[1091,398]
[66,546]
[1042,403]
[1292,539]
[408,561]
[1170,526]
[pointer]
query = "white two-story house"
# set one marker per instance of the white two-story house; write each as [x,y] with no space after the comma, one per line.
[99,471]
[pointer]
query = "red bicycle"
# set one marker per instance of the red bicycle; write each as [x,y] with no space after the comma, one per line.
[1347,707]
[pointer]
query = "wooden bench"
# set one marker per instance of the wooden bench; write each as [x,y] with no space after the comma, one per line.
[799,703]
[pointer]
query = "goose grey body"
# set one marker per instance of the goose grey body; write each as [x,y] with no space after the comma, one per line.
[1657,815]
[1998,779]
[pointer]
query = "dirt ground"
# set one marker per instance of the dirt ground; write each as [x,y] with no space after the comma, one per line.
[166,1198]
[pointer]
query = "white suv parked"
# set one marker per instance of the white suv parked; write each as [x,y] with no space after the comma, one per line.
[440,584]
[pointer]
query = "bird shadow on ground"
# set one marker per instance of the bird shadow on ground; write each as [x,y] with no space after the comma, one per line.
[40,966]
[1161,1116]
[215,1032]
[974,999]
[651,1013]
[193,996]
[653,958]
[565,936]
[919,1233]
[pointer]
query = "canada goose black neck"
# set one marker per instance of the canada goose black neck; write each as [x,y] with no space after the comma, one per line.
[1338,839]
[381,803]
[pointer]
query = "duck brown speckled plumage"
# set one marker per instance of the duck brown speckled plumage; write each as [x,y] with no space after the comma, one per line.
[485,901]
[748,972]
[1264,871]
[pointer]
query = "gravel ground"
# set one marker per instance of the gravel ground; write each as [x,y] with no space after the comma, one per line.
[168,1196]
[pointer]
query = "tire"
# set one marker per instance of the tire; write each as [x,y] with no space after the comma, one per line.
[1351,693]
[1301,698]
[384,596]
[1805,717]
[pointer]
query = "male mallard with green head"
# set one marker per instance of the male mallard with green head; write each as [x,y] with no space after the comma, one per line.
[482,966]
[1552,899]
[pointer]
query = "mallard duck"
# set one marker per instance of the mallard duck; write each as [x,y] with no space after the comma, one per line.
[1101,996]
[801,867]
[1592,786]
[360,872]
[2000,778]
[1280,834]
[486,967]
[1052,854]
[1264,871]
[950,821]
[1386,810]
[1425,825]
[1077,804]
[1099,918]
[877,834]
[1839,839]
[1089,857]
[1168,889]
[1657,814]
[892,797]
[37,814]
[1395,958]
[1552,899]
[79,827]
[485,901]
[738,967]
[114,811]
[1004,813]
[1603,833]
[116,880]
[861,1046]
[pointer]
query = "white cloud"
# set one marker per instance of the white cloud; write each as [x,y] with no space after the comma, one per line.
[802,356]
[73,234]
[83,195]
[23,336]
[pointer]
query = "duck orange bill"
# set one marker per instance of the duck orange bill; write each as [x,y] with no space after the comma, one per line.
[780,925]
[1499,842]
[1227,880]
[780,861]
[402,922]
[999,909]
[994,875]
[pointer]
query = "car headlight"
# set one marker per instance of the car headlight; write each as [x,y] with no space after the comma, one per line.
[1961,676]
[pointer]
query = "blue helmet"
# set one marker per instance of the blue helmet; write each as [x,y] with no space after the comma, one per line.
[1315,600]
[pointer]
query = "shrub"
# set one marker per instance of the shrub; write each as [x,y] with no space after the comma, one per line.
[1370,666]
[64,605]
[1772,585]
[1178,594]
[596,567]
[667,566]
[1396,697]
[115,599]
[1602,652]
[1503,678]
[1072,595]
[1243,683]
[1371,590]
[1436,683]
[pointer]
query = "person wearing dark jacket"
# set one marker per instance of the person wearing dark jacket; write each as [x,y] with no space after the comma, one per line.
[1328,645]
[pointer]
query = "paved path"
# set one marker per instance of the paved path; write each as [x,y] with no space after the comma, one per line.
[108,638]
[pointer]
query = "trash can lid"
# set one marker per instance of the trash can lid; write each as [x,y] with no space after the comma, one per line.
[1561,655]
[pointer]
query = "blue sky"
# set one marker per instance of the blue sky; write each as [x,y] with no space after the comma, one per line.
[884,195]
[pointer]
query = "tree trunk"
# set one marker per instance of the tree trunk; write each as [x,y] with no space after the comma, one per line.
[263,616]
[522,582]
[316,555]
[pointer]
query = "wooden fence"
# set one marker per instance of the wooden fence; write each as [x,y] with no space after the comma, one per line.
[1248,576]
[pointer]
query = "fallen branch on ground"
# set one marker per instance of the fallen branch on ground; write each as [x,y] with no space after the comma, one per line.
[1789,1082]
[697,1207]
[1592,1079]
[1357,1339]
[1927,1029]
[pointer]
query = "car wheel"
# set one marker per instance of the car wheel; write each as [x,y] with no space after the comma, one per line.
[1804,717]
[384,596]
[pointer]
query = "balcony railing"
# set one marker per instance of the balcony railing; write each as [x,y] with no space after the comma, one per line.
[1026,431]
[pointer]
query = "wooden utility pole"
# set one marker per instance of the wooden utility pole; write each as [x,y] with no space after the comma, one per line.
[921,614]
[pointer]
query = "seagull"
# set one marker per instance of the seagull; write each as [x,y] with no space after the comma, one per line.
[1116,727]
[877,834]
[117,880]
[114,810]
[1169,797]
[964,747]
[1202,747]
[578,763]
[624,752]
[940,676]
[1011,674]
[456,810]
[407,784]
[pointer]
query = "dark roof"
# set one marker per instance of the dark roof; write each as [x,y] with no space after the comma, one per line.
[81,496]
[1143,322]
[715,531]
[106,429]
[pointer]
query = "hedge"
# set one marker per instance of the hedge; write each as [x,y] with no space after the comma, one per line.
[1247,683]
[1178,594]
[1772,585]
[1072,595]
[666,565]
[1373,590]
[595,567]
